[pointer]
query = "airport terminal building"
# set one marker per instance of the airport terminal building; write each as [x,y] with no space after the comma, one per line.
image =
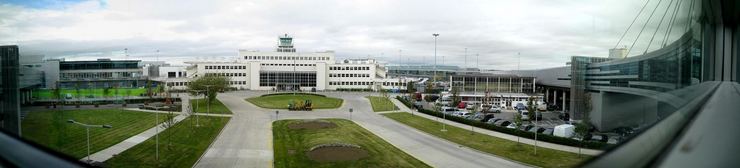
[286,69]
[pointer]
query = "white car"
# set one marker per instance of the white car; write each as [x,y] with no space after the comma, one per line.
[525,114]
[511,126]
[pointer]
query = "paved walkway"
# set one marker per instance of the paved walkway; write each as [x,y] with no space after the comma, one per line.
[109,152]
[501,135]
[246,141]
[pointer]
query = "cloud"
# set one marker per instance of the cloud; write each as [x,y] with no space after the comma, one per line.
[545,33]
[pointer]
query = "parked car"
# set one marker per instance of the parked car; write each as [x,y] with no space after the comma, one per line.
[552,107]
[525,127]
[502,123]
[511,126]
[496,109]
[564,116]
[520,106]
[492,120]
[448,110]
[484,117]
[538,115]
[548,131]
[525,115]
[600,138]
[536,129]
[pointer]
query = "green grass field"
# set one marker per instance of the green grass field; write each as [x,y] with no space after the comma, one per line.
[43,94]
[179,146]
[201,106]
[501,147]
[381,153]
[281,101]
[381,104]
[50,128]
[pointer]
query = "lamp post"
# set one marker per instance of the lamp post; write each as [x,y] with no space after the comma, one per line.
[208,99]
[434,78]
[350,114]
[156,136]
[535,133]
[197,120]
[87,128]
[276,115]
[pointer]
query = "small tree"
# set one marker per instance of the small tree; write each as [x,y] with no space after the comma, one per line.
[517,124]
[582,129]
[106,92]
[429,87]
[410,88]
[531,108]
[455,96]
[212,84]
[148,88]
[77,91]
[160,89]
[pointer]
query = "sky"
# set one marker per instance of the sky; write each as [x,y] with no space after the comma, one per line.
[504,34]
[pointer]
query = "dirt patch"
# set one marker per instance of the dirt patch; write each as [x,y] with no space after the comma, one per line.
[312,124]
[336,153]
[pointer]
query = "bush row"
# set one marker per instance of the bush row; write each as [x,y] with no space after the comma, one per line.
[516,132]
[291,93]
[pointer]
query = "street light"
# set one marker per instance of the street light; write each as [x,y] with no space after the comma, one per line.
[434,78]
[87,128]
[276,114]
[535,133]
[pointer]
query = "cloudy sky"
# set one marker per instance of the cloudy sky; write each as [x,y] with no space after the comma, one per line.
[545,32]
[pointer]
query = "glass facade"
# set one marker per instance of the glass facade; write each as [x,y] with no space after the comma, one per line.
[277,78]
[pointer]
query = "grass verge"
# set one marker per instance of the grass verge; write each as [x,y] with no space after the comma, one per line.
[291,145]
[43,94]
[381,104]
[501,147]
[50,128]
[201,106]
[179,146]
[281,101]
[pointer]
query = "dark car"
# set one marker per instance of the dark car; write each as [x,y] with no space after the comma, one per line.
[538,115]
[502,123]
[564,116]
[486,117]
[552,107]
[520,106]
[537,129]
[525,127]
[548,131]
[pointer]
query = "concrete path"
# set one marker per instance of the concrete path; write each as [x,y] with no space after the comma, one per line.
[247,140]
[501,135]
[109,152]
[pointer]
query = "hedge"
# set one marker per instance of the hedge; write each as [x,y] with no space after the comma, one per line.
[516,132]
[290,93]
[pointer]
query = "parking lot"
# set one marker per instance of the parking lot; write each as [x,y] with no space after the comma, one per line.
[549,118]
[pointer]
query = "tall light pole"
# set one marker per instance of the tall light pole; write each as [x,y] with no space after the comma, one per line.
[535,132]
[434,78]
[197,106]
[87,128]
[156,136]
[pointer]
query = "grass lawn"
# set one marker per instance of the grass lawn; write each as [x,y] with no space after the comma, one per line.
[43,94]
[50,128]
[381,104]
[202,106]
[179,146]
[380,153]
[501,147]
[281,101]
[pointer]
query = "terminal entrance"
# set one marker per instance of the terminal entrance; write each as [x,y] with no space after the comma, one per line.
[288,87]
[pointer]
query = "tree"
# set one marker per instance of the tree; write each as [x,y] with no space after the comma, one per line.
[106,92]
[517,124]
[160,89]
[212,84]
[455,96]
[410,88]
[582,129]
[429,87]
[77,91]
[531,107]
[148,87]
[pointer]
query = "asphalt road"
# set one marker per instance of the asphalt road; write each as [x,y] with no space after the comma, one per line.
[247,140]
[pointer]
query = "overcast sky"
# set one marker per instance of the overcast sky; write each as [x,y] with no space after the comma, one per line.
[545,32]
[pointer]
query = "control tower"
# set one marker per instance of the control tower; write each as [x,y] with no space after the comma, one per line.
[285,44]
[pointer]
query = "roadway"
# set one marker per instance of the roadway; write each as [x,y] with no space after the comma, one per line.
[246,141]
